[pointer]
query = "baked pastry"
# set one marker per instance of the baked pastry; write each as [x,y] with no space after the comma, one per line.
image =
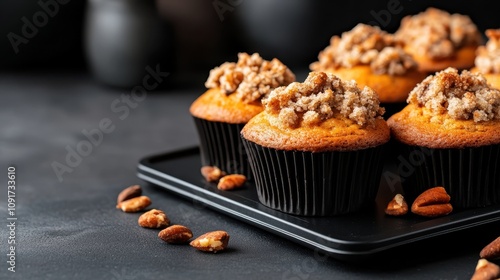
[437,39]
[487,60]
[233,96]
[316,148]
[449,134]
[373,58]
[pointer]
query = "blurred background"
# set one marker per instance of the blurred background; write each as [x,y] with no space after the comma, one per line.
[113,40]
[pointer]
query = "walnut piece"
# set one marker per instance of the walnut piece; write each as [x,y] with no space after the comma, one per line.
[486,270]
[397,206]
[488,56]
[213,241]
[318,98]
[154,218]
[462,95]
[438,34]
[365,45]
[212,173]
[250,78]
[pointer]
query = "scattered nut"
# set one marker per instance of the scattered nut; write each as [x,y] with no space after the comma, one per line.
[176,234]
[128,193]
[486,270]
[231,181]
[397,206]
[433,202]
[154,219]
[212,173]
[213,241]
[491,251]
[135,204]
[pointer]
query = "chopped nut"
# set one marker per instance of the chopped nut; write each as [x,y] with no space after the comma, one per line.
[135,204]
[491,251]
[212,173]
[433,202]
[320,97]
[213,241]
[397,206]
[154,219]
[128,193]
[176,234]
[231,181]
[463,96]
[486,270]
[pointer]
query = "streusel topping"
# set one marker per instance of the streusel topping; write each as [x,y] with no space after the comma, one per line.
[365,45]
[488,56]
[320,97]
[250,78]
[437,33]
[462,95]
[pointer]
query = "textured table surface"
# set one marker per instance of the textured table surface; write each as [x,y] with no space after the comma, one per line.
[68,227]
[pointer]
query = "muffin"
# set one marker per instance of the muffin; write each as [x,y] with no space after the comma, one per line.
[449,135]
[233,96]
[316,148]
[487,60]
[437,39]
[373,58]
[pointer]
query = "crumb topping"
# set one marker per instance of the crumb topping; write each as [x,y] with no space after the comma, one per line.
[437,33]
[462,95]
[320,97]
[250,78]
[488,56]
[365,45]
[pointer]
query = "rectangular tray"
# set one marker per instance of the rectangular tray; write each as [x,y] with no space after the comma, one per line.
[347,237]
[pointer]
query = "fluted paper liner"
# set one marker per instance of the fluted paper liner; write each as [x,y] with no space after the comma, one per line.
[315,184]
[469,175]
[221,146]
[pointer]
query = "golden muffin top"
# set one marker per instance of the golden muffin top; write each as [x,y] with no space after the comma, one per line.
[250,78]
[462,96]
[365,45]
[320,97]
[438,34]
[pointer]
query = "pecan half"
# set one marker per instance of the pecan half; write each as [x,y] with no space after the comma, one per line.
[135,204]
[491,251]
[433,202]
[128,193]
[176,234]
[486,270]
[213,241]
[231,181]
[397,206]
[154,219]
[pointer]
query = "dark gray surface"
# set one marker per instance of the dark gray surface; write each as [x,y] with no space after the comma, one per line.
[71,229]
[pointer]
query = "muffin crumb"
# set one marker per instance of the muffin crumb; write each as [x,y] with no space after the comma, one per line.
[462,95]
[319,98]
[365,45]
[488,56]
[438,34]
[250,78]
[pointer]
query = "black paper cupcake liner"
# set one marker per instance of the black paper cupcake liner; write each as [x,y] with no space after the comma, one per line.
[315,184]
[221,146]
[469,175]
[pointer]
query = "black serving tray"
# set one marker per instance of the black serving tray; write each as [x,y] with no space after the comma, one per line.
[347,237]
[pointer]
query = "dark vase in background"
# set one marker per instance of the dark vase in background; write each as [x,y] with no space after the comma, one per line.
[121,38]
